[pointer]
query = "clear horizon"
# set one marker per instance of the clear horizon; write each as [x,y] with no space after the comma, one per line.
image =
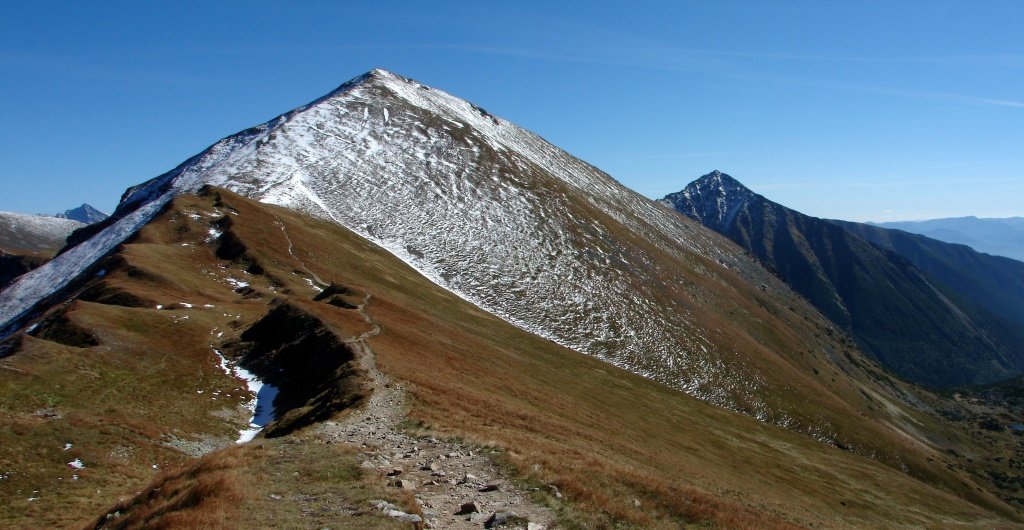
[858,111]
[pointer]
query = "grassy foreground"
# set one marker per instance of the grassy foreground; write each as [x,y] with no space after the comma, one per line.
[146,390]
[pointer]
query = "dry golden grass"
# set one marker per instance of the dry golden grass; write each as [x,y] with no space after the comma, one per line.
[624,451]
[269,484]
[571,420]
[205,495]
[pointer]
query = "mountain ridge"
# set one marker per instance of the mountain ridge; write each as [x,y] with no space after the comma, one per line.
[996,236]
[470,220]
[493,213]
[871,290]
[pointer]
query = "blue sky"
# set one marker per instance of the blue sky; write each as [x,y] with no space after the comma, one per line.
[855,110]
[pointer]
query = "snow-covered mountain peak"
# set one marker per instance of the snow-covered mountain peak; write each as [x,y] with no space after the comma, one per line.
[84,214]
[714,199]
[482,207]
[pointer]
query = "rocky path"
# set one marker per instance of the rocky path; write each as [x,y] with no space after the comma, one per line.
[455,486]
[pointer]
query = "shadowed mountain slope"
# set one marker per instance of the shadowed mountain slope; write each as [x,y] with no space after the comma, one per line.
[992,283]
[910,320]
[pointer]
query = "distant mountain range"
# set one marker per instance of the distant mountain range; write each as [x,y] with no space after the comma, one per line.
[1001,237]
[937,313]
[27,241]
[25,232]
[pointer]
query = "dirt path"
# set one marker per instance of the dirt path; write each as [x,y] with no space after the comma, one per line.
[322,284]
[444,476]
[455,486]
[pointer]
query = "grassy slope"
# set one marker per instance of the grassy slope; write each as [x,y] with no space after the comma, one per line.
[604,436]
[497,383]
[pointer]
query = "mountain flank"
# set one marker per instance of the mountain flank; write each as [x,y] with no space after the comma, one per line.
[34,233]
[552,419]
[618,364]
[994,284]
[525,231]
[932,312]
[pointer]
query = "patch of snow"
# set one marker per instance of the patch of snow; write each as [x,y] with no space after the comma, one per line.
[313,285]
[262,404]
[236,283]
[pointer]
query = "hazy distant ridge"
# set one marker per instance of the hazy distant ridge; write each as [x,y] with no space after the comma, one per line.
[998,236]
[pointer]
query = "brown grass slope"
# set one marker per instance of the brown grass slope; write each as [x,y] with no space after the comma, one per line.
[605,437]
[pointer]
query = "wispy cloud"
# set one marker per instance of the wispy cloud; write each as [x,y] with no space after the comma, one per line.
[724,63]
[935,96]
[669,156]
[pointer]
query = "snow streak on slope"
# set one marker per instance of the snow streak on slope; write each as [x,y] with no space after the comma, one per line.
[493,213]
[37,284]
[138,207]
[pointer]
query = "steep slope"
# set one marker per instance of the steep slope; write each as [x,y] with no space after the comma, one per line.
[904,317]
[992,283]
[515,225]
[620,450]
[14,265]
[26,232]
[998,236]
[83,214]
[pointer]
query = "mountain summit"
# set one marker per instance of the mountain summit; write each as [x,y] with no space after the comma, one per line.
[915,324]
[83,214]
[511,223]
[714,199]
